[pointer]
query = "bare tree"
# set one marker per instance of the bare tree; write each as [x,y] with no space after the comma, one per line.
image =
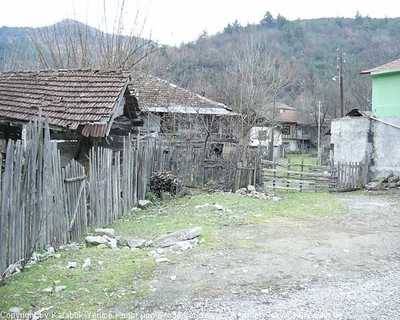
[255,80]
[71,44]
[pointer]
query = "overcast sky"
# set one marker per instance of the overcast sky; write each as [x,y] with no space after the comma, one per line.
[176,21]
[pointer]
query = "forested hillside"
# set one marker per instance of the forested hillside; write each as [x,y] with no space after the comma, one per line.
[303,51]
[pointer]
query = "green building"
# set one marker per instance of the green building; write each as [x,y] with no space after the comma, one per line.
[385,89]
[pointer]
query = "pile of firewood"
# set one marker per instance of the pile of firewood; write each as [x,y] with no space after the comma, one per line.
[161,182]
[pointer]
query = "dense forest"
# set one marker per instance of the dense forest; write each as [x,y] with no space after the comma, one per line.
[296,60]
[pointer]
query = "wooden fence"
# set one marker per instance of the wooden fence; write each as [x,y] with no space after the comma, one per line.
[43,204]
[219,163]
[39,201]
[308,177]
[119,179]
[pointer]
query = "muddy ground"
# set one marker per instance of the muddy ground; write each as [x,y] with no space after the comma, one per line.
[342,266]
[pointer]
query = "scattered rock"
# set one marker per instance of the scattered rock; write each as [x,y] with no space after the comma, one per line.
[200,206]
[242,191]
[217,207]
[170,239]
[374,186]
[182,246]
[105,232]
[394,179]
[133,242]
[96,240]
[162,259]
[71,265]
[50,249]
[143,204]
[112,243]
[152,253]
[57,282]
[16,310]
[71,247]
[391,185]
[48,290]
[86,263]
[58,289]
[251,188]
[201,241]
[100,262]
[173,278]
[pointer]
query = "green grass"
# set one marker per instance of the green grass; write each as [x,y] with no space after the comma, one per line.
[124,275]
[298,158]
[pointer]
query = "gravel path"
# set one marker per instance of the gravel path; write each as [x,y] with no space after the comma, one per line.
[344,266]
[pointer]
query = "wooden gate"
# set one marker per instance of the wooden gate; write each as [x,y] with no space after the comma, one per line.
[350,176]
[307,177]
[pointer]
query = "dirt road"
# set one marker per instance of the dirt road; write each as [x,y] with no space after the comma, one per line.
[341,266]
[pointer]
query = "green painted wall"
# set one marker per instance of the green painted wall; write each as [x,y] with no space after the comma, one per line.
[386,94]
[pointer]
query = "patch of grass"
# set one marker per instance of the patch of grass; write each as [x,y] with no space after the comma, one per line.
[298,158]
[238,210]
[122,277]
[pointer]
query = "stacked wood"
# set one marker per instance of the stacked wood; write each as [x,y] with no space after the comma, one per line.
[165,181]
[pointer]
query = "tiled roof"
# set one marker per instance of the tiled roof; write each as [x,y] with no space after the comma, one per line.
[293,116]
[69,98]
[153,92]
[394,65]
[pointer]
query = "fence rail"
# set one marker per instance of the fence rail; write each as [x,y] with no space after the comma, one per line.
[307,177]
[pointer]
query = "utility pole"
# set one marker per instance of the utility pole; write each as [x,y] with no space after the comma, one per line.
[271,150]
[319,132]
[341,61]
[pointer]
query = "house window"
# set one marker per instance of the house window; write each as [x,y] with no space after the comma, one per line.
[286,130]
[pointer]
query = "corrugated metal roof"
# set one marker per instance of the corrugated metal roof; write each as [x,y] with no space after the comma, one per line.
[393,65]
[359,113]
[153,92]
[69,98]
[188,110]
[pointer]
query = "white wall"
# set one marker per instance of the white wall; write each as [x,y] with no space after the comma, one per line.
[386,147]
[350,138]
[255,141]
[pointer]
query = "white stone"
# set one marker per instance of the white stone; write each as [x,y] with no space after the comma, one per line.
[71,265]
[113,244]
[96,240]
[217,207]
[86,263]
[162,259]
[58,289]
[143,204]
[105,232]
[16,310]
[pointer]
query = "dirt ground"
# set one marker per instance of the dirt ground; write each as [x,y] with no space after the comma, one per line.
[343,266]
